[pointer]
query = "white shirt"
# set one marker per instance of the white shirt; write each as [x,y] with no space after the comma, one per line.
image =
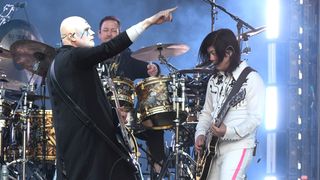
[242,120]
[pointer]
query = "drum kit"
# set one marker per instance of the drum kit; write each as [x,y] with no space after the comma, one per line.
[166,102]
[27,135]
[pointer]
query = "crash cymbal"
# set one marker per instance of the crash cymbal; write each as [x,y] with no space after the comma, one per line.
[34,56]
[244,36]
[5,54]
[160,50]
[195,71]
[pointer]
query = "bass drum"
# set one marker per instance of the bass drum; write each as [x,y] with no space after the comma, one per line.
[155,108]
[11,32]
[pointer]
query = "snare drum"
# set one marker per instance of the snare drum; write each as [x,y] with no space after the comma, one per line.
[155,108]
[125,90]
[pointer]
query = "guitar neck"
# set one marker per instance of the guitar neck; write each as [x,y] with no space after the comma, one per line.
[116,99]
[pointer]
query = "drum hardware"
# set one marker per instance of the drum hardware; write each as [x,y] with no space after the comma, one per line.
[24,122]
[11,32]
[178,154]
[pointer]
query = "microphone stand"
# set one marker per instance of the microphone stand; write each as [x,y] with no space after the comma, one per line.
[240,22]
[213,15]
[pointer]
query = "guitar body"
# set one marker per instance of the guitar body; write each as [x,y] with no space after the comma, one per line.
[203,166]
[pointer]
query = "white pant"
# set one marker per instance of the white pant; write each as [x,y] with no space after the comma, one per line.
[230,165]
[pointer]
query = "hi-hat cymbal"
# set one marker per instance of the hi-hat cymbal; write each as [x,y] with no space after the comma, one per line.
[16,95]
[244,36]
[160,50]
[34,56]
[196,71]
[5,54]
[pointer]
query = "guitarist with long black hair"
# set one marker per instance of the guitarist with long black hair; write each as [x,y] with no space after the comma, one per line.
[225,137]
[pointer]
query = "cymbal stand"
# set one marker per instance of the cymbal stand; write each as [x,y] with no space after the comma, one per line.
[163,60]
[2,118]
[178,105]
[26,106]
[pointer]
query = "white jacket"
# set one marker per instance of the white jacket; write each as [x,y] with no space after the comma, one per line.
[243,119]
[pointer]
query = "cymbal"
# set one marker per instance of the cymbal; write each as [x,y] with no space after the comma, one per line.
[244,36]
[159,51]
[16,95]
[10,83]
[34,56]
[196,71]
[5,54]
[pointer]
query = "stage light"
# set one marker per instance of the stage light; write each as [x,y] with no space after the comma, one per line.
[272,18]
[300,74]
[300,45]
[271,113]
[300,30]
[299,165]
[299,136]
[300,91]
[299,120]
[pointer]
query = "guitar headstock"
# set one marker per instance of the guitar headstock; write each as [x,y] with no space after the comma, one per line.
[237,98]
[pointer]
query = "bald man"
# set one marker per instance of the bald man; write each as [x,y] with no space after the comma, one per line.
[82,150]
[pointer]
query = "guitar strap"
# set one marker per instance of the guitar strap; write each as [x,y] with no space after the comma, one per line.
[82,116]
[236,87]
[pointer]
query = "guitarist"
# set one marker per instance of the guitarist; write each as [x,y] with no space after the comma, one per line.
[85,126]
[235,134]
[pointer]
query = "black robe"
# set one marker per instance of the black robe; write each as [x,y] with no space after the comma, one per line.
[82,153]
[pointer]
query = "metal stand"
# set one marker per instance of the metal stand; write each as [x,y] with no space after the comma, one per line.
[25,125]
[178,153]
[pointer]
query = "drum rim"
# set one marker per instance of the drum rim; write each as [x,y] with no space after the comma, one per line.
[153,79]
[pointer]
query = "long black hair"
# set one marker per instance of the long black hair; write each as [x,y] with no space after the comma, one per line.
[223,41]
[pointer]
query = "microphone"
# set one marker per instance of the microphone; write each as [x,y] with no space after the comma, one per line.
[20,4]
[246,50]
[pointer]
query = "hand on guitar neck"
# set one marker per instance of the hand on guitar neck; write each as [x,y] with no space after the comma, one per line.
[218,131]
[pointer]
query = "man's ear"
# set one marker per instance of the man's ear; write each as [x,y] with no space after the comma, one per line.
[229,51]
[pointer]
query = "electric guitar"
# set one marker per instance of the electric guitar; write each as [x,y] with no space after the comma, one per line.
[124,138]
[204,158]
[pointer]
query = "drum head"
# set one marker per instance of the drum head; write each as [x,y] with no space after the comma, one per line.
[9,33]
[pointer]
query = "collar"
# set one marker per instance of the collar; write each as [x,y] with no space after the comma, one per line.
[236,73]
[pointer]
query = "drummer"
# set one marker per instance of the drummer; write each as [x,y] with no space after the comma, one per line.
[125,66]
